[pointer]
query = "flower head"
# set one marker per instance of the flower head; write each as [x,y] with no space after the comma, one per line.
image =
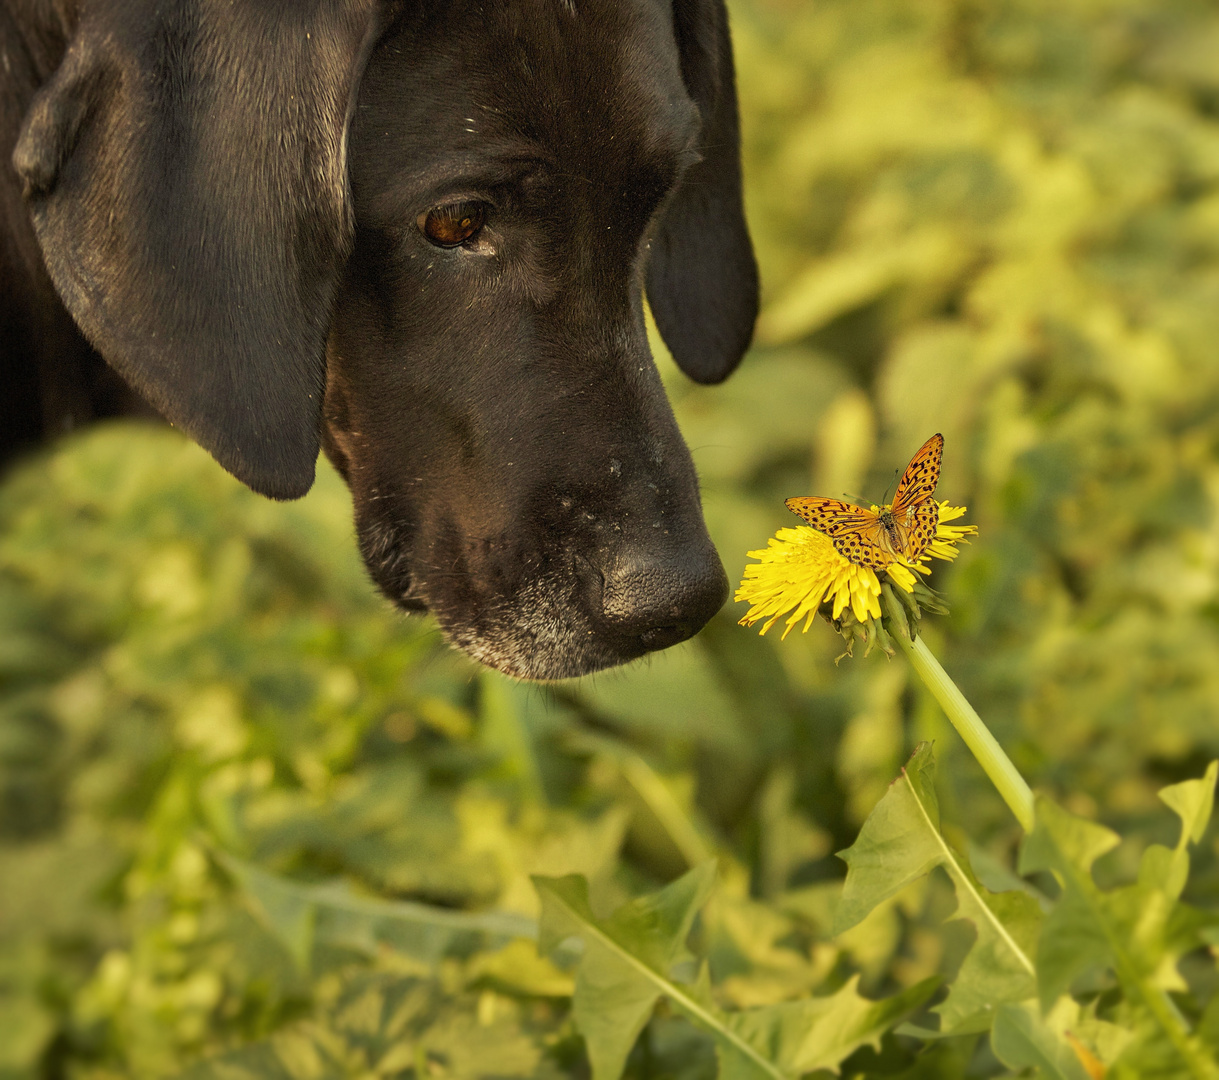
[801,572]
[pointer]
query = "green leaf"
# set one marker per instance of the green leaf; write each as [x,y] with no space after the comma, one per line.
[299,915]
[1022,1038]
[671,814]
[288,910]
[379,1025]
[626,966]
[1073,937]
[505,733]
[626,962]
[901,842]
[999,968]
[1138,931]
[817,1033]
[1192,801]
[1102,1040]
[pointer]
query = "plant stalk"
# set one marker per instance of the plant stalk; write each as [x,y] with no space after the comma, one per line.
[997,765]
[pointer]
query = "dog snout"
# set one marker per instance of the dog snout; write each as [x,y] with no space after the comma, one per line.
[661,598]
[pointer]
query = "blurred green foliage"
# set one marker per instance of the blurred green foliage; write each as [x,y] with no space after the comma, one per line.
[230,776]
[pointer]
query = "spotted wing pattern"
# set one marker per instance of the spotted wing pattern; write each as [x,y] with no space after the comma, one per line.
[923,522]
[917,484]
[904,528]
[856,532]
[914,510]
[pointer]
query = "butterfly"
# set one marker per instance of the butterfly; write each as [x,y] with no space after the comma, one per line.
[876,538]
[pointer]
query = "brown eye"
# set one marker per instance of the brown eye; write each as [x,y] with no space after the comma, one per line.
[454,223]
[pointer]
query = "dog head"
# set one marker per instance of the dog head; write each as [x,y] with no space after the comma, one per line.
[422,233]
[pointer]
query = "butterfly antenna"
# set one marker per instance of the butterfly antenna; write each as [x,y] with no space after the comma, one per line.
[891,487]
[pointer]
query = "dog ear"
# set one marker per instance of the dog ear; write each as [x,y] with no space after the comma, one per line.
[185,169]
[702,280]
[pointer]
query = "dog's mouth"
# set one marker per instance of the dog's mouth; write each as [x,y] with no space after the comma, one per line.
[539,634]
[553,616]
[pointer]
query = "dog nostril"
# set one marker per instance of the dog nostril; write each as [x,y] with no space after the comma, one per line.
[661,637]
[661,601]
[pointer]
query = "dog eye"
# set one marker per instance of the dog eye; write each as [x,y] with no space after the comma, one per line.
[454,223]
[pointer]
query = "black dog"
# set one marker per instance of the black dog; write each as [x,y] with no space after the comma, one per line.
[419,233]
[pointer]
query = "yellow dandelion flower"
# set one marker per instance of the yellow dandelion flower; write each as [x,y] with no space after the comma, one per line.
[863,569]
[800,570]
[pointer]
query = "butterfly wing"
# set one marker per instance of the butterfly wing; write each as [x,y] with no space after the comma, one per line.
[918,482]
[916,532]
[926,520]
[907,526]
[855,532]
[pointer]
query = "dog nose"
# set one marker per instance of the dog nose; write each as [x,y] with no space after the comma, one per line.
[662,599]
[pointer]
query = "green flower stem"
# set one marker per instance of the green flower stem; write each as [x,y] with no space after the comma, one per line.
[997,765]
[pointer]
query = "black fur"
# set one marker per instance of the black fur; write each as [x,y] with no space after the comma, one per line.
[229,199]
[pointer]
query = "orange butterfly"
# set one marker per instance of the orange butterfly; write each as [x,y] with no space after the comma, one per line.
[877,538]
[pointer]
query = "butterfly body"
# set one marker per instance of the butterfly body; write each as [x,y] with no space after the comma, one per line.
[892,535]
[880,536]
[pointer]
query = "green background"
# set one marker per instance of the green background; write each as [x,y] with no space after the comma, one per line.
[995,220]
